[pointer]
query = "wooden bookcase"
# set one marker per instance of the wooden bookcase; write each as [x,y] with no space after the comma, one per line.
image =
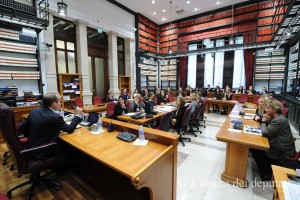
[148,73]
[168,73]
[124,82]
[70,86]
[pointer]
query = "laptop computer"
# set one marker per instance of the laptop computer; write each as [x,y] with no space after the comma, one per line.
[92,119]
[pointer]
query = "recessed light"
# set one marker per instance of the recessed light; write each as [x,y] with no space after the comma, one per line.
[154,13]
[196,9]
[153,2]
[163,19]
[188,2]
[164,10]
[218,2]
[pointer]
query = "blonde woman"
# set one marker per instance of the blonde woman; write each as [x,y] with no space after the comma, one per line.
[260,110]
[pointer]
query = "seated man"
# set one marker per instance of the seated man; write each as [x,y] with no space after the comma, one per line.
[44,124]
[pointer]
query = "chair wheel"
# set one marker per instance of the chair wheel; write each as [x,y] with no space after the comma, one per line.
[58,188]
[4,162]
[204,126]
[8,194]
[12,167]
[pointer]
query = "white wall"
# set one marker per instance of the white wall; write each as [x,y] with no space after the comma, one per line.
[100,14]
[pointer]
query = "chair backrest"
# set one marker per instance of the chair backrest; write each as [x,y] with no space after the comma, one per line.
[285,112]
[170,97]
[233,96]
[186,117]
[78,102]
[243,98]
[9,131]
[164,124]
[283,103]
[255,100]
[128,105]
[97,100]
[110,108]
[196,115]
[143,100]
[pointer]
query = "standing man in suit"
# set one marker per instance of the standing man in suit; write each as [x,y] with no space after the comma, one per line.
[44,124]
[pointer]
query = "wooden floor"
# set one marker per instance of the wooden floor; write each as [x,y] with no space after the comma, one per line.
[81,183]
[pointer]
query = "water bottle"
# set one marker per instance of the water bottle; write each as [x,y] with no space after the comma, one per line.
[99,125]
[141,133]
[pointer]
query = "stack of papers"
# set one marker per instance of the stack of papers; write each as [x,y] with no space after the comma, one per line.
[291,191]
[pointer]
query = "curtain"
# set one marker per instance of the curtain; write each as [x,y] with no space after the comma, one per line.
[239,66]
[219,65]
[208,64]
[192,64]
[182,71]
[249,65]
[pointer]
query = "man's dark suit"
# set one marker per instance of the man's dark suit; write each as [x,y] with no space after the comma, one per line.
[43,126]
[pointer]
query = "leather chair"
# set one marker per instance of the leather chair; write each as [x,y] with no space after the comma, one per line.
[78,102]
[195,120]
[255,100]
[243,98]
[97,100]
[285,112]
[202,117]
[164,124]
[184,126]
[23,157]
[170,97]
[110,109]
[128,105]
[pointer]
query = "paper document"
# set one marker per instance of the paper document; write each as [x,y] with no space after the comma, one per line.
[252,129]
[291,191]
[249,109]
[140,142]
[235,111]
[234,116]
[97,132]
[248,117]
[69,122]
[130,114]
[250,114]
[234,130]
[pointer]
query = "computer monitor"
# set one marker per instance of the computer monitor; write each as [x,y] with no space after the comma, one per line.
[10,101]
[149,106]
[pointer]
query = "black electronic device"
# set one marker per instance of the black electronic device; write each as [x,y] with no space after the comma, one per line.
[149,106]
[236,121]
[149,115]
[92,119]
[238,126]
[137,116]
[126,136]
[242,113]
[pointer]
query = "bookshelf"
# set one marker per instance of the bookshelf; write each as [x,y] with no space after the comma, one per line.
[269,70]
[19,63]
[70,86]
[293,70]
[148,71]
[124,82]
[168,73]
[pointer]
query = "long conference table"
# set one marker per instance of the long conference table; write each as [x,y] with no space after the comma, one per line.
[221,103]
[238,144]
[153,166]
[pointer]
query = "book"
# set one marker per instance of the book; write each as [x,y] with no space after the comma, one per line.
[252,129]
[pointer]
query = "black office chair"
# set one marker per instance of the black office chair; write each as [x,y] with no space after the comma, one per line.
[195,120]
[202,117]
[165,121]
[23,157]
[184,126]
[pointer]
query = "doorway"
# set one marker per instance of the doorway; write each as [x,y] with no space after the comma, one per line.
[97,79]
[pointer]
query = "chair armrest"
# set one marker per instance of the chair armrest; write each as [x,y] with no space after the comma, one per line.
[42,147]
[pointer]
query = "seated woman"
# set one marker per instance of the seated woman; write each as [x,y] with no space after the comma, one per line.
[194,103]
[177,117]
[180,92]
[136,92]
[277,129]
[145,94]
[137,105]
[217,95]
[260,110]
[240,90]
[110,97]
[227,96]
[120,108]
[162,98]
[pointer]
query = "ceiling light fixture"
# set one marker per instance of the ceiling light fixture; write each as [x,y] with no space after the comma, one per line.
[196,9]
[218,3]
[153,2]
[170,49]
[62,8]
[231,39]
[163,19]
[154,13]
[188,2]
[164,10]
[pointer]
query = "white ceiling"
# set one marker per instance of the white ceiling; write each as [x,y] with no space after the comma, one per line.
[146,8]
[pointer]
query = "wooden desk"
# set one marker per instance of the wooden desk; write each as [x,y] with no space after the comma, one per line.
[250,97]
[153,166]
[237,149]
[229,103]
[22,110]
[93,108]
[279,175]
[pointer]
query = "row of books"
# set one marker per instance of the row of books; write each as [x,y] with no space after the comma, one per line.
[270,60]
[168,62]
[168,78]
[270,76]
[151,73]
[20,62]
[151,62]
[171,67]
[148,67]
[277,68]
[9,34]
[295,47]
[167,73]
[16,47]
[19,75]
